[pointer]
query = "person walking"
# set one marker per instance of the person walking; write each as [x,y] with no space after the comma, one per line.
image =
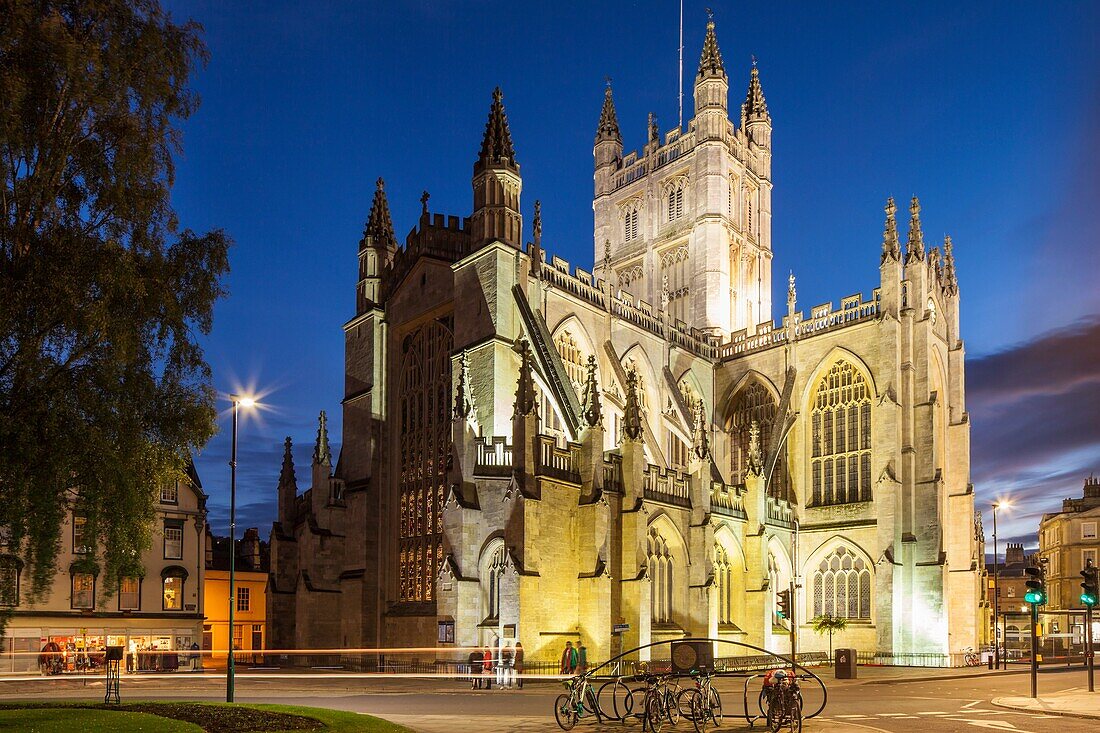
[487,668]
[569,659]
[582,657]
[475,661]
[506,658]
[517,665]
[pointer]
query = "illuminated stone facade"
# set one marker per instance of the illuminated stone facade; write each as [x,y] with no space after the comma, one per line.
[537,452]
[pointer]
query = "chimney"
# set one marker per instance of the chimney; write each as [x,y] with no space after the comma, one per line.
[1014,553]
[250,548]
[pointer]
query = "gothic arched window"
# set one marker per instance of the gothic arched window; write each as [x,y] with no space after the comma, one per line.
[491,575]
[840,462]
[842,586]
[659,560]
[630,221]
[675,200]
[755,402]
[723,579]
[675,275]
[572,359]
[425,403]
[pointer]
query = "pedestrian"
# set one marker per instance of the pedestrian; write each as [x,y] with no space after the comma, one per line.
[517,665]
[582,657]
[487,667]
[569,659]
[475,661]
[506,657]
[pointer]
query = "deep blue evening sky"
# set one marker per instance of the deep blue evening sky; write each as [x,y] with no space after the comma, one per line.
[990,112]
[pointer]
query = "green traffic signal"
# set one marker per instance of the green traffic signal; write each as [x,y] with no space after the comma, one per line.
[1036,596]
[1036,588]
[783,604]
[1088,599]
[1089,589]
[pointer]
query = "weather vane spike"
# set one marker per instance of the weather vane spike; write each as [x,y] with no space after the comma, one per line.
[710,14]
[607,80]
[754,61]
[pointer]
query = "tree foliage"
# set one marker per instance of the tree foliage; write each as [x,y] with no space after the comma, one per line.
[829,624]
[104,389]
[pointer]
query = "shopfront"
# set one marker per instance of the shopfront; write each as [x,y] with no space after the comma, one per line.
[71,650]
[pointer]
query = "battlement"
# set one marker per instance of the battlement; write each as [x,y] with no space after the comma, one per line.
[444,237]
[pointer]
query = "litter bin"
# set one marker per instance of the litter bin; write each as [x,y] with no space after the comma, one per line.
[845,664]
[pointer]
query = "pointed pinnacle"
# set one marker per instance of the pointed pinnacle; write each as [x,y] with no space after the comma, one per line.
[590,405]
[496,145]
[322,454]
[754,108]
[379,229]
[537,223]
[914,246]
[710,61]
[286,474]
[632,411]
[951,279]
[891,245]
[608,128]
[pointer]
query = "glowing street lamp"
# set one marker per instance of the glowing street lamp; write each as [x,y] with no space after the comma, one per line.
[246,402]
[1002,504]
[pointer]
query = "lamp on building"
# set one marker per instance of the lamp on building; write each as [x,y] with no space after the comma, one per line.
[999,504]
[238,402]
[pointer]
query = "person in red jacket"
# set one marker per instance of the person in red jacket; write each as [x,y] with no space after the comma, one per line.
[487,667]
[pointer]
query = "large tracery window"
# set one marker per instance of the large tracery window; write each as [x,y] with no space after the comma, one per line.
[424,444]
[491,577]
[723,579]
[840,463]
[755,402]
[842,586]
[660,574]
[674,280]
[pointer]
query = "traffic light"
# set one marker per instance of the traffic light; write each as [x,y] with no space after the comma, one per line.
[1089,590]
[1036,586]
[783,604]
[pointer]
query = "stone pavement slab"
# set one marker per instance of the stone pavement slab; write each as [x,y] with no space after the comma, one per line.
[1076,702]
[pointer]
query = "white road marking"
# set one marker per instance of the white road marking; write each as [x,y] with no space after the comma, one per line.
[933,712]
[851,716]
[971,704]
[993,724]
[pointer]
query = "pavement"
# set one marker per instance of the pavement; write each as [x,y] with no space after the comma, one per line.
[886,700]
[1077,702]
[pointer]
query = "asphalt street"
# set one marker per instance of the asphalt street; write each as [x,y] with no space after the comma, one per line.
[880,703]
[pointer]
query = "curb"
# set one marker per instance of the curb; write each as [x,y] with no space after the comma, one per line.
[1044,711]
[965,676]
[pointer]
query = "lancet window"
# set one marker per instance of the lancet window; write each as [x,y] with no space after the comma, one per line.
[674,280]
[425,404]
[842,586]
[755,402]
[660,574]
[492,575]
[840,463]
[630,221]
[674,199]
[723,580]
[572,358]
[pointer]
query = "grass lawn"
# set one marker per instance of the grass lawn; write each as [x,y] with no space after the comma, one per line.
[183,717]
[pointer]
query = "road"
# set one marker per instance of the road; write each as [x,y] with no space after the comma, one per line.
[881,703]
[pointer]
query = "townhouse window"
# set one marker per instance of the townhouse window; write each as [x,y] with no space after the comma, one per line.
[238,636]
[83,591]
[170,493]
[173,580]
[80,538]
[243,593]
[1088,530]
[173,539]
[129,594]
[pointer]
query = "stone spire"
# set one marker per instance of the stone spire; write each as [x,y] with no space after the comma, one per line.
[536,225]
[496,147]
[950,278]
[525,385]
[755,461]
[654,131]
[288,488]
[792,294]
[632,411]
[322,454]
[710,62]
[891,245]
[935,265]
[463,405]
[286,474]
[754,108]
[379,229]
[914,247]
[700,444]
[608,129]
[591,410]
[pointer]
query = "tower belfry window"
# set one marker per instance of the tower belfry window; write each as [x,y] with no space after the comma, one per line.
[630,221]
[676,201]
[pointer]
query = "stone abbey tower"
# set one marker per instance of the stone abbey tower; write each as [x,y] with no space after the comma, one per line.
[542,453]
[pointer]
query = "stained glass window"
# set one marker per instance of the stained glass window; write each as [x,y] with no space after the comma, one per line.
[723,577]
[660,575]
[840,454]
[425,441]
[755,402]
[842,585]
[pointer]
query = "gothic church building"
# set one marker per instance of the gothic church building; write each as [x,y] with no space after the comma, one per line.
[538,452]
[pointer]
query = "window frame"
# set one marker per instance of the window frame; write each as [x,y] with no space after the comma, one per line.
[164,591]
[174,497]
[1087,525]
[73,591]
[82,520]
[244,593]
[174,524]
[137,580]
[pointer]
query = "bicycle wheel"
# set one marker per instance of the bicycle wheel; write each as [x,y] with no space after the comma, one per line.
[683,702]
[564,712]
[775,715]
[654,715]
[592,703]
[796,716]
[715,707]
[672,710]
[698,711]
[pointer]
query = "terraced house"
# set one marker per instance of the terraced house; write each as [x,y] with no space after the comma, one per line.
[536,452]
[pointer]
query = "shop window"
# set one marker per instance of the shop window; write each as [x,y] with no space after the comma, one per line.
[9,581]
[243,593]
[129,594]
[173,539]
[173,593]
[83,590]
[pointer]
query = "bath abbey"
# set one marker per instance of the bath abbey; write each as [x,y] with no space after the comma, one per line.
[638,451]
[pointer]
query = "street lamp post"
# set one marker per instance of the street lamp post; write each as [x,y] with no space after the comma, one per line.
[997,590]
[238,401]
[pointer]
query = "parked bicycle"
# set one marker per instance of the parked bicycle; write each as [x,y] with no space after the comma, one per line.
[971,658]
[578,703]
[783,700]
[701,704]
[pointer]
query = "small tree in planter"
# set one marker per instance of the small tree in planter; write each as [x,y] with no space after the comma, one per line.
[827,623]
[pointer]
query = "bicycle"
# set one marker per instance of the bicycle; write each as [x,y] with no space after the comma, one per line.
[568,709]
[622,702]
[971,658]
[701,703]
[784,703]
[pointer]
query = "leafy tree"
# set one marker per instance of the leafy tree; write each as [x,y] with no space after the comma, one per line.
[104,390]
[829,624]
